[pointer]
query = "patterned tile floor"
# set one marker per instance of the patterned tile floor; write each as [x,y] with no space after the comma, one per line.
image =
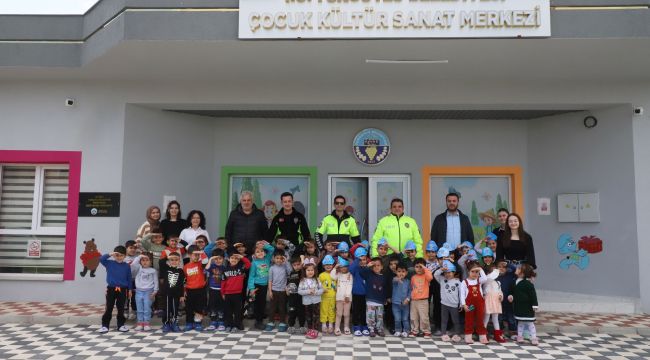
[18,341]
[549,319]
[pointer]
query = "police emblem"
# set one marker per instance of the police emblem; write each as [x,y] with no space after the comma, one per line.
[371,146]
[346,222]
[407,225]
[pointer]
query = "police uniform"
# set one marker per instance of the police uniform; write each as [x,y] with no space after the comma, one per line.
[338,229]
[397,230]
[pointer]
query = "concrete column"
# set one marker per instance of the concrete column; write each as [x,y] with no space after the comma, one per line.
[641,126]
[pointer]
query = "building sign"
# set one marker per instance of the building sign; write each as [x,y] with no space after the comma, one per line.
[33,248]
[293,19]
[371,146]
[99,204]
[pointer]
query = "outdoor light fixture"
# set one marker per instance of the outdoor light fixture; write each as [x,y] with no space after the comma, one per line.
[386,61]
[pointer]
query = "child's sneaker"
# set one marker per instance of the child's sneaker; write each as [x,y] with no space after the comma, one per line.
[381,333]
[228,329]
[166,328]
[291,330]
[357,330]
[372,332]
[455,338]
[282,327]
[146,327]
[198,326]
[123,328]
[346,331]
[234,330]
[269,327]
[534,341]
[303,330]
[427,334]
[176,328]
[189,326]
[413,334]
[365,331]
[138,327]
[212,326]
[324,328]
[483,339]
[405,334]
[468,339]
[103,330]
[330,329]
[397,334]
[312,334]
[220,326]
[520,339]
[445,338]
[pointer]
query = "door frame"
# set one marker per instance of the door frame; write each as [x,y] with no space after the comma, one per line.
[371,227]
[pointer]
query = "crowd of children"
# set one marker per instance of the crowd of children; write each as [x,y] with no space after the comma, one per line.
[340,290]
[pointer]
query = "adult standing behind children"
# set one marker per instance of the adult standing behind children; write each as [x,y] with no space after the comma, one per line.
[289,223]
[397,228]
[196,219]
[173,224]
[339,226]
[516,244]
[246,223]
[153,221]
[452,226]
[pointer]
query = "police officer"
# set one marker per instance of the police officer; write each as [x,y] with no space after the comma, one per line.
[289,223]
[397,229]
[338,226]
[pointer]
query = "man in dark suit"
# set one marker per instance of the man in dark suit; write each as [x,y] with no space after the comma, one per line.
[452,226]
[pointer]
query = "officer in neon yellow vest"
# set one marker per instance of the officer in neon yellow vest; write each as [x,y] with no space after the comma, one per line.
[397,229]
[338,226]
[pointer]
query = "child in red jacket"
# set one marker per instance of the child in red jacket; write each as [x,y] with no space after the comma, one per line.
[195,297]
[232,285]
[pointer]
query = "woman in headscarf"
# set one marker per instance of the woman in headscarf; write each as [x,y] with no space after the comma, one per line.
[153,222]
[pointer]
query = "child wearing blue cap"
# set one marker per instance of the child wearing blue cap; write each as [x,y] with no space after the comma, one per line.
[344,283]
[410,252]
[328,298]
[432,263]
[450,299]
[359,293]
[343,250]
[488,242]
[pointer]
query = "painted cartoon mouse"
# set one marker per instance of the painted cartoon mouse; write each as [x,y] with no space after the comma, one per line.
[90,258]
[579,258]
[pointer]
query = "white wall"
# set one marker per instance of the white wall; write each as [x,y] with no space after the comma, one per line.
[564,157]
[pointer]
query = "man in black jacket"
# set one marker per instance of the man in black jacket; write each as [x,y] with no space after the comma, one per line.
[246,224]
[452,226]
[289,223]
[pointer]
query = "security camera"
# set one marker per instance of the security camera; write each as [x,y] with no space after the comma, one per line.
[69,102]
[638,110]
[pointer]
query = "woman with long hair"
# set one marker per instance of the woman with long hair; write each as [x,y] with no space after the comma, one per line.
[515,244]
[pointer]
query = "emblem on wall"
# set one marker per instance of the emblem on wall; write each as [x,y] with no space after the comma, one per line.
[371,146]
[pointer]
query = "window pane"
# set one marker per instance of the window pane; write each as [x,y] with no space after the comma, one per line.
[55,197]
[13,254]
[17,197]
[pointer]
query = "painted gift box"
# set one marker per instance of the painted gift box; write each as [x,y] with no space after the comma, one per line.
[591,244]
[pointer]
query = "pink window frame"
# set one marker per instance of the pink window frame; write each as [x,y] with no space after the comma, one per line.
[73,160]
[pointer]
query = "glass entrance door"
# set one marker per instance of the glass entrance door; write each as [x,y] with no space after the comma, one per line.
[368,197]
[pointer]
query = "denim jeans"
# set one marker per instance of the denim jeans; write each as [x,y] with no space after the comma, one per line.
[143,304]
[401,313]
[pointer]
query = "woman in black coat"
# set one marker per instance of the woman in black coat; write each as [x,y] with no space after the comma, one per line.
[515,244]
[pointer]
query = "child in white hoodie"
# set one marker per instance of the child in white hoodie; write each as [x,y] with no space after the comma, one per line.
[343,278]
[146,288]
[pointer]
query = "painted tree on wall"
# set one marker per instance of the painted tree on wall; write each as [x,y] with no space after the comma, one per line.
[246,185]
[499,202]
[474,216]
[257,195]
[235,200]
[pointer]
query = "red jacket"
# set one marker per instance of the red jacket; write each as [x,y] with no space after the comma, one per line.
[194,275]
[232,281]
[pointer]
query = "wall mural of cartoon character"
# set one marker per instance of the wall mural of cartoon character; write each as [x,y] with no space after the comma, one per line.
[270,210]
[577,253]
[90,258]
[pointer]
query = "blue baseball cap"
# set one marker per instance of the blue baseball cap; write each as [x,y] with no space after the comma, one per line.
[343,262]
[360,251]
[491,236]
[471,255]
[410,245]
[432,246]
[487,252]
[449,265]
[447,246]
[382,242]
[443,252]
[343,247]
[328,260]
[467,243]
[365,243]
